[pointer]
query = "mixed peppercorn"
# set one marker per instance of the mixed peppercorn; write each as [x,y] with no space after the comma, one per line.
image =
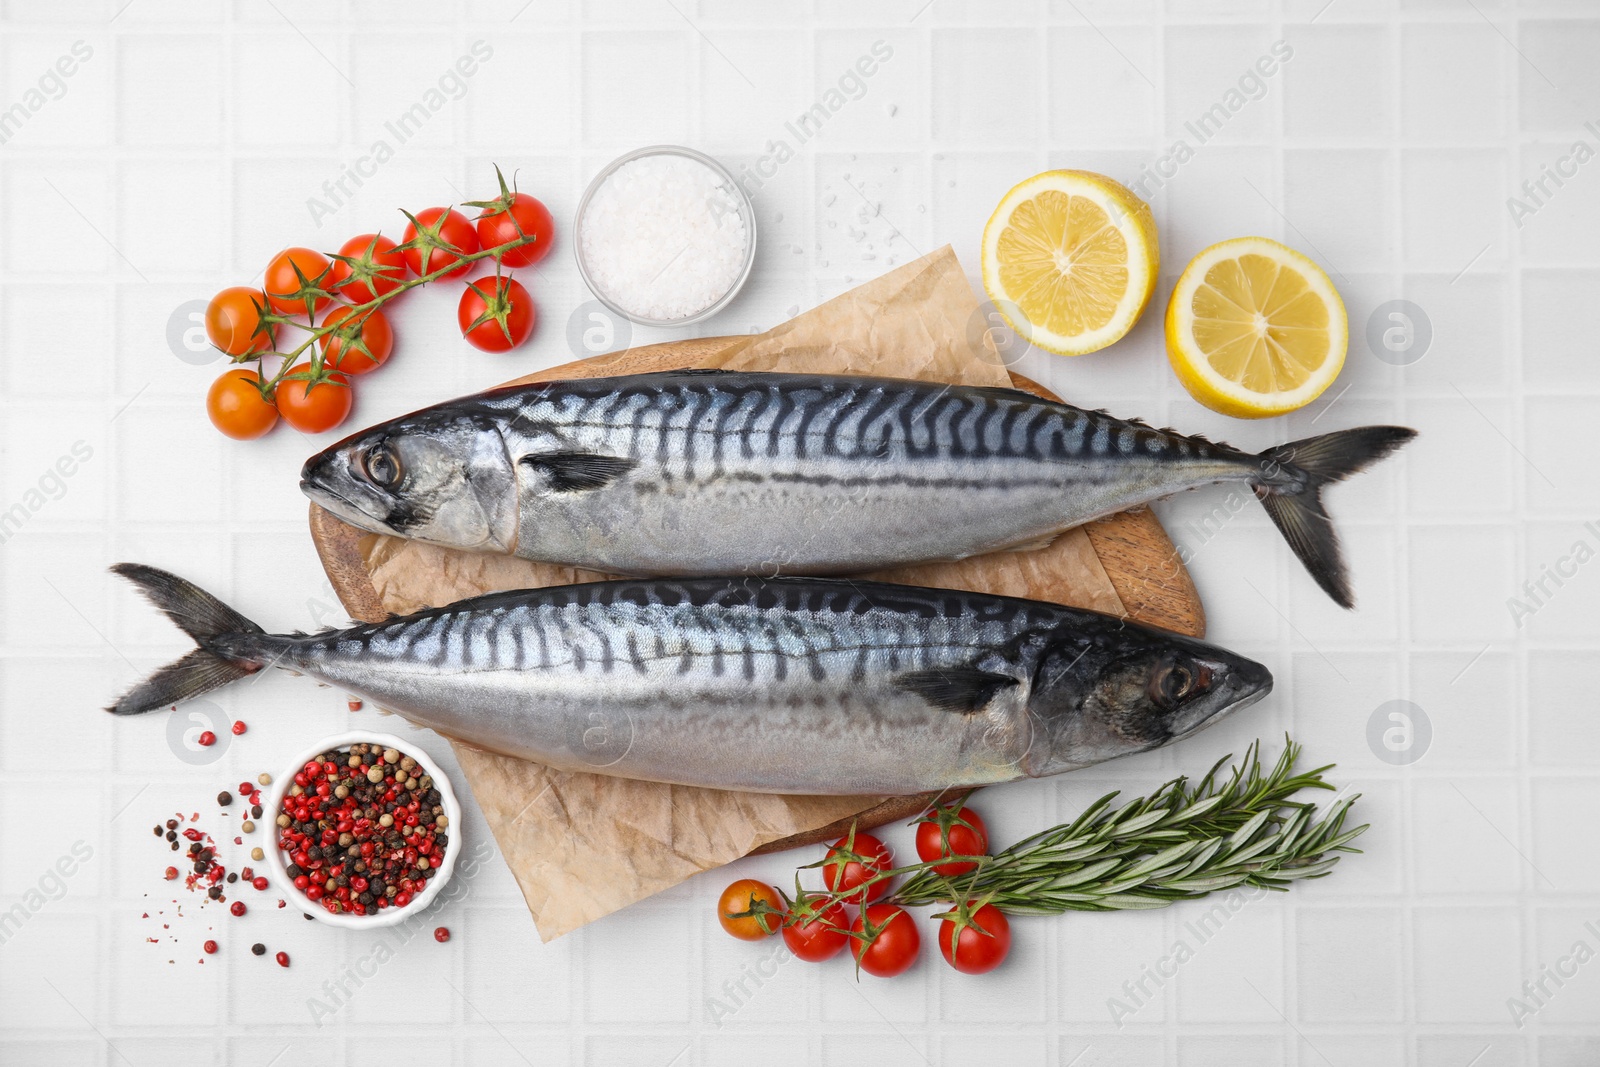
[362,828]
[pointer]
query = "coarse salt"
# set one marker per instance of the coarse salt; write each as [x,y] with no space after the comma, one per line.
[663,237]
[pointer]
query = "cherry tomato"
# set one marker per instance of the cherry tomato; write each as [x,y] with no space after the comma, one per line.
[743,896]
[373,331]
[969,840]
[499,224]
[378,268]
[233,321]
[496,314]
[842,871]
[313,408]
[445,225]
[981,948]
[893,949]
[282,282]
[236,406]
[817,936]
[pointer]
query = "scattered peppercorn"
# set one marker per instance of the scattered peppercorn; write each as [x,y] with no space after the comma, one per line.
[257,855]
[442,934]
[260,881]
[238,907]
[207,739]
[258,949]
[264,779]
[283,957]
[239,727]
[172,873]
[210,947]
[247,827]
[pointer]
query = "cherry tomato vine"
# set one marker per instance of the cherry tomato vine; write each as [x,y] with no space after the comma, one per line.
[336,301]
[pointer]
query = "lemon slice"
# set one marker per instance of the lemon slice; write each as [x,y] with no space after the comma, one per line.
[1255,329]
[1070,259]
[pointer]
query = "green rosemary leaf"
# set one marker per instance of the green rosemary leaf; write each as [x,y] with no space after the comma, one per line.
[1186,839]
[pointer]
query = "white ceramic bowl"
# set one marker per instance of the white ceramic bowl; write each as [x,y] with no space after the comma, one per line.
[747,213]
[280,870]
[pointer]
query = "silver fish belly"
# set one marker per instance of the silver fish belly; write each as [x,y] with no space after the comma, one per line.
[770,685]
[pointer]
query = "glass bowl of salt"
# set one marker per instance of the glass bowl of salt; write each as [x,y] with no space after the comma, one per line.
[665,236]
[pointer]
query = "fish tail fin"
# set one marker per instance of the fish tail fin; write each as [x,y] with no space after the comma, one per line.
[201,616]
[1290,485]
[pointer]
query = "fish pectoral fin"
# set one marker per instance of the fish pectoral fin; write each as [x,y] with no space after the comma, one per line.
[963,689]
[572,472]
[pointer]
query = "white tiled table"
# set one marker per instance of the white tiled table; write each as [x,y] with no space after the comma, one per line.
[181,153]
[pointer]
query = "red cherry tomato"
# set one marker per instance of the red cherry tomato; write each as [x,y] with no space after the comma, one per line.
[448,226]
[282,282]
[969,840]
[817,936]
[378,268]
[893,949]
[313,408]
[496,314]
[500,225]
[843,871]
[233,321]
[979,949]
[371,330]
[236,406]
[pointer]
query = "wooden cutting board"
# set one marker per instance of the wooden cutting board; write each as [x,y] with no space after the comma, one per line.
[1133,548]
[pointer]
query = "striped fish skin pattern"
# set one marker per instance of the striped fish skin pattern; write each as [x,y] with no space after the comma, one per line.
[719,472]
[742,472]
[771,685]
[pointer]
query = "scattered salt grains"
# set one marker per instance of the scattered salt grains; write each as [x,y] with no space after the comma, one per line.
[663,238]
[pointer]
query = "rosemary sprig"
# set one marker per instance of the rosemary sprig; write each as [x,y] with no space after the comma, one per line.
[1181,842]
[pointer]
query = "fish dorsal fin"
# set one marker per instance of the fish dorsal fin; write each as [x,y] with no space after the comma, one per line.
[962,689]
[572,472]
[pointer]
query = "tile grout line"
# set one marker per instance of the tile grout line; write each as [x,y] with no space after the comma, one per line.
[1529,887]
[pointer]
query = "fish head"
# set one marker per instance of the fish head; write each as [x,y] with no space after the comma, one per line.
[438,476]
[1129,691]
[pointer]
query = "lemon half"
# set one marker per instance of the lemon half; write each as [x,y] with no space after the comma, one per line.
[1255,329]
[1070,259]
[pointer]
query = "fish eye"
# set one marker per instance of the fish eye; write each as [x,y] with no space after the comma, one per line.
[1172,683]
[382,466]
